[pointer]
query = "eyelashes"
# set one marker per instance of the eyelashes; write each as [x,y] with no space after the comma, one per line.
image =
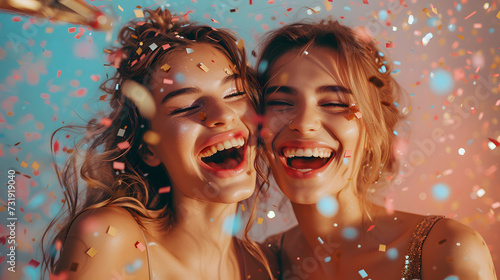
[192,108]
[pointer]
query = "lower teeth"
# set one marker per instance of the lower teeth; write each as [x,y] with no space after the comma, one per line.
[304,170]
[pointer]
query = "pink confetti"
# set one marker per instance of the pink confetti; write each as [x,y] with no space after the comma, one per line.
[389,45]
[118,165]
[365,2]
[106,122]
[168,81]
[58,73]
[495,205]
[123,145]
[471,14]
[166,46]
[140,246]
[95,78]
[71,29]
[370,228]
[16,19]
[348,153]
[164,190]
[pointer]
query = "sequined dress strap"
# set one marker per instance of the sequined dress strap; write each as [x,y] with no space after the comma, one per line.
[412,268]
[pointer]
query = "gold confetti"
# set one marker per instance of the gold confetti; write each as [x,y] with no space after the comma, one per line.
[461,37]
[24,164]
[260,220]
[242,207]
[111,230]
[35,165]
[139,13]
[91,252]
[203,116]
[203,67]
[165,67]
[498,15]
[381,247]
[151,137]
[139,51]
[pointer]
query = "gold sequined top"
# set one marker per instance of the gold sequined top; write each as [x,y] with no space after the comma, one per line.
[412,268]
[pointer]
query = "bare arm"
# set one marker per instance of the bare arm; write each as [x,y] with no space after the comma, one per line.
[101,244]
[453,249]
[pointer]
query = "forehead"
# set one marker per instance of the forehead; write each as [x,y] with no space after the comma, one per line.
[188,64]
[317,64]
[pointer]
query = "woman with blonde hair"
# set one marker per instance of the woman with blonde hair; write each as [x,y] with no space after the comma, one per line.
[165,169]
[328,128]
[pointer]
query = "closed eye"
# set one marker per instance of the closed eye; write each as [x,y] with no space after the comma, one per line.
[335,104]
[278,103]
[235,94]
[184,110]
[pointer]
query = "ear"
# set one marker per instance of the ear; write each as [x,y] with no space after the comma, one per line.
[149,156]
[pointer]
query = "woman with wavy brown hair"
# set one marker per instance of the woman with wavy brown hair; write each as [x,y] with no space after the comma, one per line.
[164,171]
[329,106]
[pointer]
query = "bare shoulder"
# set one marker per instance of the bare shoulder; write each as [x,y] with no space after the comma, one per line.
[104,243]
[453,248]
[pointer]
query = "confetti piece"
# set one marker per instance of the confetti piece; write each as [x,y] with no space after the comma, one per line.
[141,97]
[34,263]
[71,29]
[365,2]
[123,145]
[139,13]
[73,266]
[151,137]
[348,153]
[118,165]
[121,132]
[242,207]
[363,273]
[166,46]
[189,50]
[202,116]
[91,252]
[140,246]
[494,141]
[120,8]
[24,164]
[498,15]
[165,67]
[260,220]
[471,14]
[139,51]
[228,71]
[213,20]
[370,228]
[58,73]
[153,46]
[111,230]
[106,122]
[35,165]
[168,81]
[389,45]
[203,67]
[381,247]
[495,205]
[164,189]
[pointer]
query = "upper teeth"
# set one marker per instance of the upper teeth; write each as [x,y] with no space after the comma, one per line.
[225,145]
[307,152]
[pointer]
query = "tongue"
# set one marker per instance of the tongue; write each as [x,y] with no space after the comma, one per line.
[229,163]
[306,162]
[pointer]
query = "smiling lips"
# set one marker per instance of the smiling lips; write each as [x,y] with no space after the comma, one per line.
[226,157]
[305,161]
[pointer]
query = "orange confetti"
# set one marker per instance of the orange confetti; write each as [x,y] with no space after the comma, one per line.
[35,165]
[24,164]
[111,230]
[260,220]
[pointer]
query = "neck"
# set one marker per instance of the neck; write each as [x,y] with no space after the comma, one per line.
[345,223]
[201,237]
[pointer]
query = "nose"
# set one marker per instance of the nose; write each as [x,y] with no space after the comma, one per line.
[219,113]
[305,120]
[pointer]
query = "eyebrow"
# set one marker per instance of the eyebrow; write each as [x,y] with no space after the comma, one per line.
[189,90]
[321,89]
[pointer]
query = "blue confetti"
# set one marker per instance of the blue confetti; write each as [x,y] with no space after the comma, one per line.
[37,200]
[231,225]
[349,233]
[347,8]
[451,277]
[262,66]
[451,27]
[440,191]
[441,82]
[346,161]
[382,15]
[327,206]
[179,78]
[328,259]
[392,253]
[363,273]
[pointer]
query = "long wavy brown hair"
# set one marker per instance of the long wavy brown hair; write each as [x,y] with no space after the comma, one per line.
[91,163]
[364,70]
